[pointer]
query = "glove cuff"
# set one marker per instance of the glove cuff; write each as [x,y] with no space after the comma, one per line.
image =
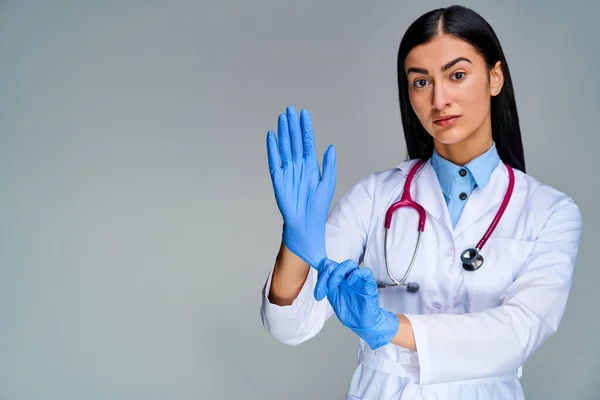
[312,252]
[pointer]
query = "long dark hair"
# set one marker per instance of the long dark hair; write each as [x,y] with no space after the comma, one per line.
[469,26]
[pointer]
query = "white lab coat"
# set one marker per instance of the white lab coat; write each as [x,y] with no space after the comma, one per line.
[473,330]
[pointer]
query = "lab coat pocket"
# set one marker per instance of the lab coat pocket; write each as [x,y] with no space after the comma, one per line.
[503,260]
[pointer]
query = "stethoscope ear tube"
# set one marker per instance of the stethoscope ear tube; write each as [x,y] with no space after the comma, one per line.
[411,286]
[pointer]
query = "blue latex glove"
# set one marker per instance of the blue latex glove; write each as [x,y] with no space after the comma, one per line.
[354,297]
[303,195]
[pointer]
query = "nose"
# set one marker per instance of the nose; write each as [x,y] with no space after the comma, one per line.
[440,98]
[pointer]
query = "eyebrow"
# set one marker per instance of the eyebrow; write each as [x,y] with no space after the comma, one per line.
[444,68]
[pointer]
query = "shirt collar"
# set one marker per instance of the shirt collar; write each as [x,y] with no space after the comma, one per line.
[483,166]
[480,168]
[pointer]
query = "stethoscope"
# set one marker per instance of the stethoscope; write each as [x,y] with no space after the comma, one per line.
[471,258]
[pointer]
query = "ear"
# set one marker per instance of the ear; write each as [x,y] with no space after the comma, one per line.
[496,79]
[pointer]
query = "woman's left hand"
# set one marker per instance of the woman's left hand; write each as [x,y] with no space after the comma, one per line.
[353,294]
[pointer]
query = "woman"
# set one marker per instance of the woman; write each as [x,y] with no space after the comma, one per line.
[455,328]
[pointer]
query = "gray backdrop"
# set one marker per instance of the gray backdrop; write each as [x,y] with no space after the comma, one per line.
[137,218]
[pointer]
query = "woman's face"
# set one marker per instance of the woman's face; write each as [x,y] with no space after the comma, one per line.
[447,78]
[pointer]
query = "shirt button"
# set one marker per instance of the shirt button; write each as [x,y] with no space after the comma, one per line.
[462,196]
[436,307]
[462,172]
[449,252]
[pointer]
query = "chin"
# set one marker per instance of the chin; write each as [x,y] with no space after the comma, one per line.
[449,136]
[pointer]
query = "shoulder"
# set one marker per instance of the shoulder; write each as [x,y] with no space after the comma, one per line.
[364,196]
[540,194]
[545,205]
[374,184]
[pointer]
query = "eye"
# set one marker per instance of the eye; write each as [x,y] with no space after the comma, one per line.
[418,82]
[460,75]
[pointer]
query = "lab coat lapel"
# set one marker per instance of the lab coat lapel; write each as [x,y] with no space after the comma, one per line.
[482,200]
[426,191]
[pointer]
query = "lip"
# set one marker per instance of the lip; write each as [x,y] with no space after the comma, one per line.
[446,120]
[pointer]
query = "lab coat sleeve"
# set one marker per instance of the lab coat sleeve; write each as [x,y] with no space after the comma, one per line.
[346,233]
[499,340]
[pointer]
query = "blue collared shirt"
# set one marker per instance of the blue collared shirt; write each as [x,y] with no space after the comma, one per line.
[458,182]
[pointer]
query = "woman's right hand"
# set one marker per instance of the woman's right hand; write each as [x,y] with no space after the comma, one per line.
[303,195]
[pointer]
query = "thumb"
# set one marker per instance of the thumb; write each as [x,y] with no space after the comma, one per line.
[369,284]
[329,169]
[273,158]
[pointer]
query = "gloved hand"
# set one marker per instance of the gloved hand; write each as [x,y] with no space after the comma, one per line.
[354,297]
[303,195]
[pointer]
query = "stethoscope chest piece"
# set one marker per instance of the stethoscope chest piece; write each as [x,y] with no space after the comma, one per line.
[471,259]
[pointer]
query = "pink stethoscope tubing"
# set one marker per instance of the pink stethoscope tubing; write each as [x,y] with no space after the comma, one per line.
[471,257]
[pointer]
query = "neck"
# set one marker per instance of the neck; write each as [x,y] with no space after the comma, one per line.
[461,153]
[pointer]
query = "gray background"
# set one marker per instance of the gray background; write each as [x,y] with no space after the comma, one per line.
[137,218]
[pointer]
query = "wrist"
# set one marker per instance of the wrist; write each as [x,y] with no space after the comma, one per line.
[310,251]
